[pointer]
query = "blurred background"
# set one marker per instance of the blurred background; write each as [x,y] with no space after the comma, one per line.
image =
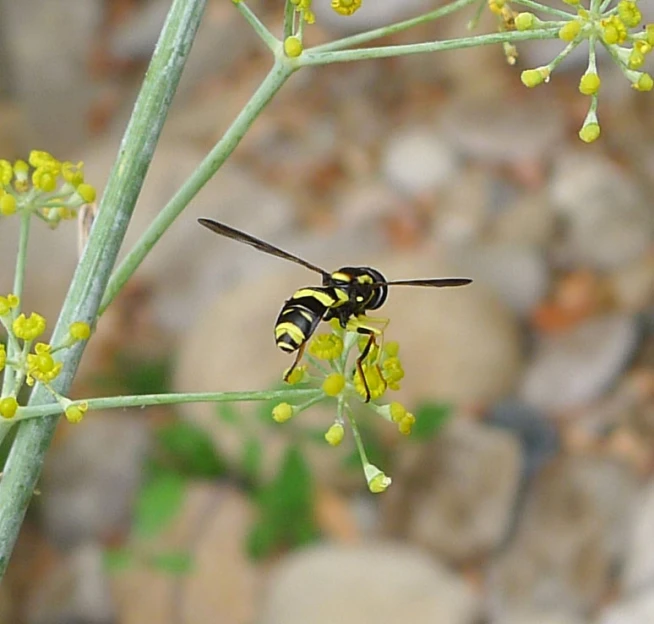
[525,495]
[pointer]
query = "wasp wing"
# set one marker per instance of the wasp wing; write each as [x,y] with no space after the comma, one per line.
[445,282]
[229,232]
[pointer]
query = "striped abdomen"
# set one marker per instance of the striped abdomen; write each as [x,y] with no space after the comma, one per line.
[302,313]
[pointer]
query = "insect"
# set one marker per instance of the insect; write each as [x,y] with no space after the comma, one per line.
[346,295]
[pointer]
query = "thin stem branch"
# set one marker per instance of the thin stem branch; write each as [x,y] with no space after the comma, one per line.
[537,6]
[278,75]
[258,26]
[384,31]
[145,400]
[289,18]
[33,438]
[323,58]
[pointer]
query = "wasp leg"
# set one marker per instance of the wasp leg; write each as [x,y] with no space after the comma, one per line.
[359,363]
[298,357]
[366,325]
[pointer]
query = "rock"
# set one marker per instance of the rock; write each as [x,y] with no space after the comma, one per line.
[76,590]
[518,274]
[639,566]
[91,477]
[538,437]
[372,583]
[222,584]
[637,610]
[576,367]
[456,344]
[417,161]
[609,221]
[479,128]
[570,535]
[455,495]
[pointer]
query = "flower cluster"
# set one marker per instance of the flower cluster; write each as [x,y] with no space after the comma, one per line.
[339,376]
[22,361]
[616,28]
[44,186]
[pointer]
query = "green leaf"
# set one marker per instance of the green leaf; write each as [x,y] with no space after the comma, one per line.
[190,450]
[430,418]
[252,456]
[158,503]
[117,560]
[172,562]
[286,507]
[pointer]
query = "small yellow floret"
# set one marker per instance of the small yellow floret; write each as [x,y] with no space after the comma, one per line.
[8,303]
[569,31]
[346,7]
[589,84]
[525,21]
[377,481]
[613,30]
[335,434]
[75,413]
[406,424]
[44,180]
[6,172]
[7,205]
[293,47]
[636,59]
[333,384]
[3,356]
[392,348]
[282,412]
[649,33]
[590,132]
[326,346]
[297,375]
[8,407]
[86,192]
[629,13]
[644,83]
[73,173]
[41,365]
[572,2]
[398,411]
[80,330]
[28,328]
[534,77]
[393,372]
[496,6]
[375,381]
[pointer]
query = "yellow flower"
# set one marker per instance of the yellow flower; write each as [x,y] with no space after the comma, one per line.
[534,77]
[569,31]
[75,413]
[644,83]
[80,330]
[374,379]
[29,328]
[590,132]
[335,434]
[346,7]
[393,372]
[7,204]
[398,411]
[636,59]
[333,384]
[8,303]
[326,346]
[41,365]
[6,172]
[8,407]
[86,192]
[3,356]
[629,13]
[283,412]
[297,376]
[44,180]
[377,481]
[406,423]
[525,21]
[613,30]
[293,47]
[589,83]
[392,348]
[73,173]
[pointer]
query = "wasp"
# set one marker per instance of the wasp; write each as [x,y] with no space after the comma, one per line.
[346,295]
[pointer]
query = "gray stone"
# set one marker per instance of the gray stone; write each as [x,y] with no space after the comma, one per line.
[91,478]
[455,495]
[380,582]
[571,369]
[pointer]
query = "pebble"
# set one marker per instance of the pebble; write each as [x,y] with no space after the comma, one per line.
[76,590]
[222,585]
[574,368]
[417,161]
[455,495]
[538,438]
[609,222]
[570,535]
[378,582]
[517,273]
[91,478]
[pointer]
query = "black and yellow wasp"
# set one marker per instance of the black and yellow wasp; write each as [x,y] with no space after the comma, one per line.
[346,294]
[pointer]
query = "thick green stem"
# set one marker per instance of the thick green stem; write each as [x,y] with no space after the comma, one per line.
[90,280]
[385,31]
[324,58]
[145,400]
[279,74]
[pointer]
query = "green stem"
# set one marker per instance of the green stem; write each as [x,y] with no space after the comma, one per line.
[258,26]
[324,58]
[289,18]
[145,400]
[357,437]
[384,31]
[537,6]
[33,438]
[278,75]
